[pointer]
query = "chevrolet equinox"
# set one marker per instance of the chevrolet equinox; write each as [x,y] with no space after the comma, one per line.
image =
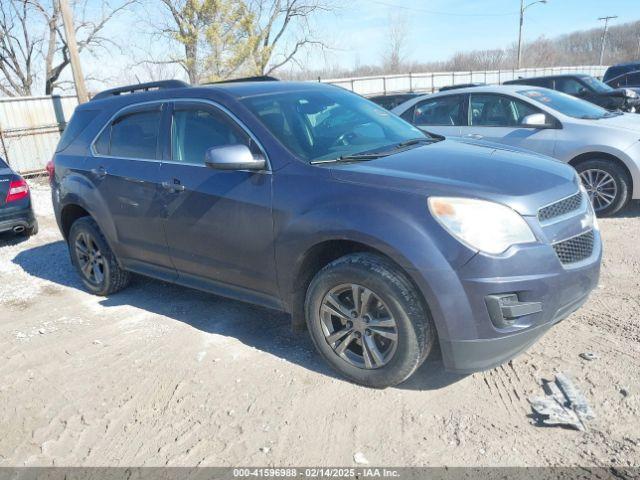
[309,199]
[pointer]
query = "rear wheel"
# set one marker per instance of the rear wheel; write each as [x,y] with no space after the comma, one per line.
[607,184]
[367,320]
[95,262]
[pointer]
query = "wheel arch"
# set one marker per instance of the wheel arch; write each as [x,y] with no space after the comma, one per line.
[583,157]
[69,214]
[321,254]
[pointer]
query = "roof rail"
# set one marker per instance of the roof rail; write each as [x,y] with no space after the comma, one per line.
[258,78]
[462,85]
[161,85]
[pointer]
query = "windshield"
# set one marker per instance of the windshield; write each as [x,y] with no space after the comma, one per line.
[323,125]
[596,84]
[566,104]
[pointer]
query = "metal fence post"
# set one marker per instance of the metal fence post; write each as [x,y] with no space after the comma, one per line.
[4,148]
[384,85]
[432,83]
[410,82]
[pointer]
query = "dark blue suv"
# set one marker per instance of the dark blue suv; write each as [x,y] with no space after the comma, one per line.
[312,200]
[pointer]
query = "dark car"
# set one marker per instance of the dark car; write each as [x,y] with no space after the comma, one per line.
[587,88]
[392,100]
[615,71]
[629,80]
[16,213]
[310,199]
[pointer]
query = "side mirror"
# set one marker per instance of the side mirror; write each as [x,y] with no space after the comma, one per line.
[535,120]
[582,92]
[233,157]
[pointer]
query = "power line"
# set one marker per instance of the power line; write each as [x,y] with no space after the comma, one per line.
[432,12]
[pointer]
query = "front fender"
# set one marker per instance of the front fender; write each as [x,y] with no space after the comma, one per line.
[395,223]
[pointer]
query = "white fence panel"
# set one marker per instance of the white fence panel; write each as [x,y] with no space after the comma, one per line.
[433,81]
[30,128]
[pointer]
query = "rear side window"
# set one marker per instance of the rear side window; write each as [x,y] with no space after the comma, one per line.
[633,79]
[132,135]
[3,164]
[79,121]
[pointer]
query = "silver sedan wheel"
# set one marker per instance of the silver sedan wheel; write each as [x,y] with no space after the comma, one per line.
[358,326]
[601,187]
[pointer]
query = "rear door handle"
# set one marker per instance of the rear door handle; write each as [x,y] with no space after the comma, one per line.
[99,172]
[475,136]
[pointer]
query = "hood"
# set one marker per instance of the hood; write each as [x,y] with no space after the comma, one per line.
[524,181]
[628,93]
[626,121]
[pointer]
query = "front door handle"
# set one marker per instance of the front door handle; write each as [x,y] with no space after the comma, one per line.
[99,172]
[475,136]
[174,186]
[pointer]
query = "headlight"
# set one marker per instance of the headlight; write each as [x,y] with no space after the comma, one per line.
[479,224]
[592,220]
[630,93]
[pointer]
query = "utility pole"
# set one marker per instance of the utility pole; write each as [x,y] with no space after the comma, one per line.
[523,7]
[74,57]
[604,35]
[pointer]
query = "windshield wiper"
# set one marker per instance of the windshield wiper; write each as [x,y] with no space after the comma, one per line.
[415,141]
[356,157]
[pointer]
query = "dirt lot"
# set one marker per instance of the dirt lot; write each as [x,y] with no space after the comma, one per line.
[162,375]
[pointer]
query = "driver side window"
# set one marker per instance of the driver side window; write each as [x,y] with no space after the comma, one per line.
[197,128]
[490,110]
[569,85]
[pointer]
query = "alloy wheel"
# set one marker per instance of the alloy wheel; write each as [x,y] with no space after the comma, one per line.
[358,326]
[601,188]
[90,259]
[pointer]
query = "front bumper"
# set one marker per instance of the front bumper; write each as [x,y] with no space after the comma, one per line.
[469,339]
[15,219]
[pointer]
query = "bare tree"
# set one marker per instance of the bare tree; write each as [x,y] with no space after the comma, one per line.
[282,30]
[32,45]
[396,43]
[18,48]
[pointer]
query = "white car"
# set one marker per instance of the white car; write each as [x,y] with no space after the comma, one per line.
[603,146]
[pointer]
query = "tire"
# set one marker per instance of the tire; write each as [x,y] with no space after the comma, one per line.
[619,185]
[33,230]
[391,295]
[103,277]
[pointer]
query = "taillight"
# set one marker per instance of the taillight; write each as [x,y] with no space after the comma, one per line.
[17,189]
[51,169]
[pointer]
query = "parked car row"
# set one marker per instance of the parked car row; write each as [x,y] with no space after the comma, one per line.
[380,237]
[602,146]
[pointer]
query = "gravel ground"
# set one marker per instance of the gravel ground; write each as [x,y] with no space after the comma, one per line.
[162,375]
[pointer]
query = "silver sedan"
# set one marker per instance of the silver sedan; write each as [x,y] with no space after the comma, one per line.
[603,146]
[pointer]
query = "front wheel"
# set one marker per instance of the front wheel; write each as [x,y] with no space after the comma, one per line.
[607,185]
[367,320]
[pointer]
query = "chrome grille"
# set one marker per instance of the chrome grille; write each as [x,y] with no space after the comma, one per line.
[562,207]
[575,249]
